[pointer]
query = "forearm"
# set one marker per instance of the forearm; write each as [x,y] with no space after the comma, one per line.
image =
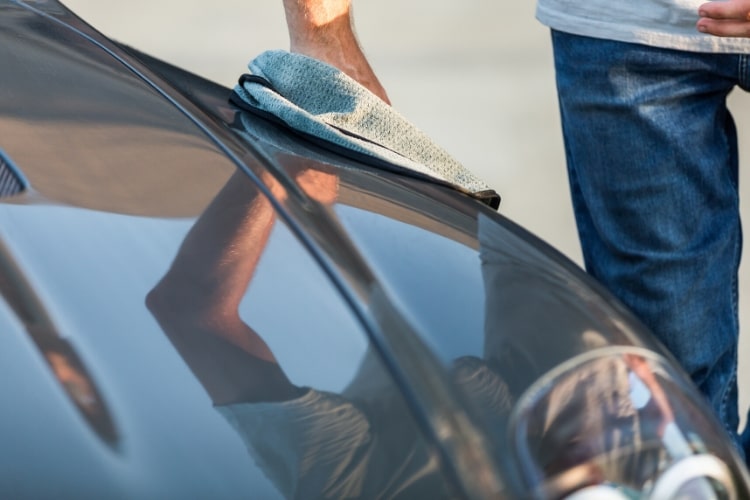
[323,30]
[309,15]
[218,258]
[196,302]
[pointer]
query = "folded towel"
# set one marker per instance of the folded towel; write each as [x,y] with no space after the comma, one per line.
[322,103]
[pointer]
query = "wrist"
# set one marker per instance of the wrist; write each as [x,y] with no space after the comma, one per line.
[337,36]
[311,15]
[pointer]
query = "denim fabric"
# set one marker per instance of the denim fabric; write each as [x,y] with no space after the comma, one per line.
[653,169]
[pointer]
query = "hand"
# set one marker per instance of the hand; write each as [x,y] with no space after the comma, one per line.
[322,29]
[318,184]
[725,18]
[322,187]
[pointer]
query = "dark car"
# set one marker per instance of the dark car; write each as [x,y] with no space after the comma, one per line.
[199,303]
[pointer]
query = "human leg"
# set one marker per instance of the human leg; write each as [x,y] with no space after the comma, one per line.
[652,159]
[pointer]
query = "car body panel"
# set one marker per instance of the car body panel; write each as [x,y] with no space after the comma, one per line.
[365,285]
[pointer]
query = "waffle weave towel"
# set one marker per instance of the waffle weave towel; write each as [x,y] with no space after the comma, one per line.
[321,102]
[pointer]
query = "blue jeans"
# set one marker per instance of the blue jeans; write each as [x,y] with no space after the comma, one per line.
[652,163]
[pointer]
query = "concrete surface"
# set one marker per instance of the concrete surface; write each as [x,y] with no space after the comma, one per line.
[495,54]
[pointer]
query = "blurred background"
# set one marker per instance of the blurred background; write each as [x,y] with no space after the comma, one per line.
[475,75]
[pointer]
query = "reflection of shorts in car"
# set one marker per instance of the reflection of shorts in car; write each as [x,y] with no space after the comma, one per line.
[321,445]
[364,445]
[484,387]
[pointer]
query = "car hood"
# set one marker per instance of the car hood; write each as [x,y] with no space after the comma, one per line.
[120,156]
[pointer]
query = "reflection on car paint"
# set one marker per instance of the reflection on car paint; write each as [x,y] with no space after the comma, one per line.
[64,362]
[489,334]
[311,443]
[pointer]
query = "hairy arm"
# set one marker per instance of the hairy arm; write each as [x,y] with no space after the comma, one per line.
[323,29]
[196,302]
[725,18]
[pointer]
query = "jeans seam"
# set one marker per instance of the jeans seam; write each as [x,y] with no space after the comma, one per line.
[726,390]
[744,74]
[725,396]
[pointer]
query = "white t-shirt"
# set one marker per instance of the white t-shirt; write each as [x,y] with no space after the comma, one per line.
[659,23]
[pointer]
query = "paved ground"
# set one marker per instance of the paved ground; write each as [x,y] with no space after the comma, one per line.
[477,76]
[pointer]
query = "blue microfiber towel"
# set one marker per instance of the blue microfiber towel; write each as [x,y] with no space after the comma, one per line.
[323,103]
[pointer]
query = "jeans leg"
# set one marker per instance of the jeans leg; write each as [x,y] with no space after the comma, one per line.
[652,162]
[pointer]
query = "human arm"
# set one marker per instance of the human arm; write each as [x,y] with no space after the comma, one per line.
[725,18]
[323,29]
[197,301]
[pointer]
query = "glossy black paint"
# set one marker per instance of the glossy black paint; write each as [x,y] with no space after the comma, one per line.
[145,186]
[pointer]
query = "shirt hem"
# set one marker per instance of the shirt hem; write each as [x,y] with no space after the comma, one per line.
[623,32]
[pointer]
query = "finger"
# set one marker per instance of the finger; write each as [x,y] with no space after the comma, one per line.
[737,10]
[724,28]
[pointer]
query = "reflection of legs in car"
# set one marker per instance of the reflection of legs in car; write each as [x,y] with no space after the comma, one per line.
[603,416]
